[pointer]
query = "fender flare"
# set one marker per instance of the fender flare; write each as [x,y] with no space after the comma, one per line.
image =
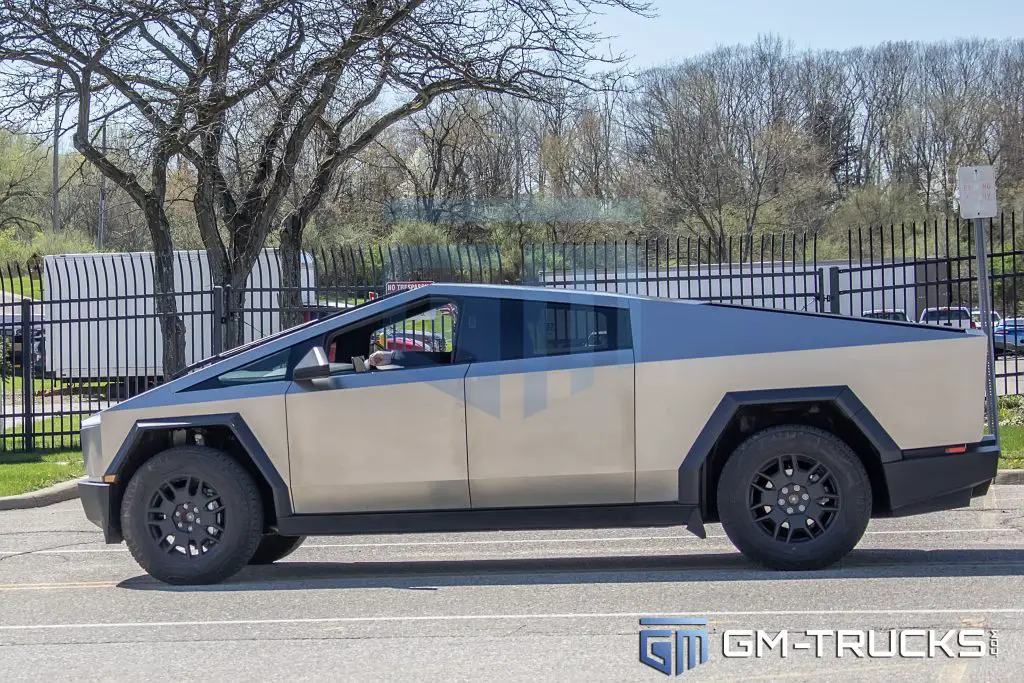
[691,470]
[237,425]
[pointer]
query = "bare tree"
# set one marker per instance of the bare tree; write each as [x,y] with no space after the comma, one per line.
[159,66]
[433,151]
[374,64]
[20,166]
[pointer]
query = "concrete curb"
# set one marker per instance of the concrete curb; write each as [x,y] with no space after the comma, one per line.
[1009,477]
[58,493]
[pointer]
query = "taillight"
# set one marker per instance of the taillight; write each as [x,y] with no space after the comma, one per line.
[957,449]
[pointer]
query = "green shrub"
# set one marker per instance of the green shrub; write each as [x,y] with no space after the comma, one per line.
[13,249]
[1012,401]
[1011,411]
[67,241]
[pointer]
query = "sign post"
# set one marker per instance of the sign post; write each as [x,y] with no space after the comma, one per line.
[977,188]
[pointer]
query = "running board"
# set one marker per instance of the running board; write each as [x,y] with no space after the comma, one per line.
[495,519]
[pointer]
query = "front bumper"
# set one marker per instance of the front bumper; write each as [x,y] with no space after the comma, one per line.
[97,502]
[931,479]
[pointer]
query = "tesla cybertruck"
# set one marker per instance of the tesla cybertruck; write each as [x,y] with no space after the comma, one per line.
[545,409]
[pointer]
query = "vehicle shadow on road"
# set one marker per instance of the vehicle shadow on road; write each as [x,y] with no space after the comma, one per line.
[431,574]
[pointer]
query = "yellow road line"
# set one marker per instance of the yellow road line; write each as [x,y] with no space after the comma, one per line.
[49,586]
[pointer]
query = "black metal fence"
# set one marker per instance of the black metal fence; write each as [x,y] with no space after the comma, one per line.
[81,332]
[774,271]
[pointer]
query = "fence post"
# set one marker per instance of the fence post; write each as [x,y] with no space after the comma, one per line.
[833,289]
[218,320]
[985,297]
[229,331]
[820,295]
[27,404]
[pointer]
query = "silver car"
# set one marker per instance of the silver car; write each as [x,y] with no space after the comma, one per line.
[549,409]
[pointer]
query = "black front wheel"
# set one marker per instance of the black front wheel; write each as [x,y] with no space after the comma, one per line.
[794,498]
[192,515]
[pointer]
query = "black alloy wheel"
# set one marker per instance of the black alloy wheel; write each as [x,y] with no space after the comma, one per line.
[176,516]
[192,515]
[794,498]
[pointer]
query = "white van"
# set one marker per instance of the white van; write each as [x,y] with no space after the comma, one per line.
[101,310]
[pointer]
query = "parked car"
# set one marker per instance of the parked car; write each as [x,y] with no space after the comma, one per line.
[887,314]
[948,316]
[792,429]
[416,339]
[1008,336]
[34,351]
[976,317]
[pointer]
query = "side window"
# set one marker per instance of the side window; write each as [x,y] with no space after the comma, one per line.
[508,329]
[420,334]
[268,369]
[429,330]
[558,329]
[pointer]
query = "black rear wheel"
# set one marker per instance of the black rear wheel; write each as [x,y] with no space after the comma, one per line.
[191,515]
[274,547]
[794,498]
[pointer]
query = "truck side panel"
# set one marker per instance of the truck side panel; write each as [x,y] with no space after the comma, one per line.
[926,391]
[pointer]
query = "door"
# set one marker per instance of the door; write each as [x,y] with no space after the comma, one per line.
[549,405]
[390,439]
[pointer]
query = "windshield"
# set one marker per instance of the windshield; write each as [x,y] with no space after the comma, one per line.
[886,315]
[949,315]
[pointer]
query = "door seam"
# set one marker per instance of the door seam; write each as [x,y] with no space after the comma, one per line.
[288,445]
[634,429]
[465,433]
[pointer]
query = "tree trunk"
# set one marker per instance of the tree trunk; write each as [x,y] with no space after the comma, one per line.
[238,320]
[247,240]
[171,324]
[291,254]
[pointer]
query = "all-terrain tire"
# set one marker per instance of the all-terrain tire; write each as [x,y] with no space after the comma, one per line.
[779,459]
[274,547]
[181,478]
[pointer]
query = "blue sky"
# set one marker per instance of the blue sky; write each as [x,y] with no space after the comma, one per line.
[685,27]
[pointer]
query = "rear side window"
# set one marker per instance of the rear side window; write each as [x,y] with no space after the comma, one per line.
[506,329]
[557,329]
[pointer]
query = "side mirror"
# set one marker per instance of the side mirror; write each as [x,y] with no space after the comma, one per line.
[312,366]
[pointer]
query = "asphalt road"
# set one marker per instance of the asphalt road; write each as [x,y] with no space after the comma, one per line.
[528,606]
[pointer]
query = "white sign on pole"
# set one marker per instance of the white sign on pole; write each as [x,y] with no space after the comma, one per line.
[977,186]
[396,285]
